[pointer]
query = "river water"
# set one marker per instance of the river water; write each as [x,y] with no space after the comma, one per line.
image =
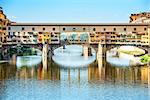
[28,80]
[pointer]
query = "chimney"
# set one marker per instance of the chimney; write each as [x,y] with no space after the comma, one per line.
[1,9]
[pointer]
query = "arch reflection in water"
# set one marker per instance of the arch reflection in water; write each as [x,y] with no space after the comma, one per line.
[28,60]
[71,56]
[129,75]
[66,83]
[99,70]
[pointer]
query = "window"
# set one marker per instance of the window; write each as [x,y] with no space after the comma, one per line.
[125,29]
[134,29]
[53,29]
[114,29]
[145,29]
[33,29]
[4,28]
[13,33]
[94,29]
[22,28]
[104,29]
[84,29]
[43,29]
[9,28]
[74,29]
[40,32]
[64,29]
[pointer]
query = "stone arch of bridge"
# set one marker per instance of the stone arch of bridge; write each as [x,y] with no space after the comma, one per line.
[9,50]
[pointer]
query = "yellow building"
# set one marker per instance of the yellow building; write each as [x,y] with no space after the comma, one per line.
[44,37]
[145,38]
[3,24]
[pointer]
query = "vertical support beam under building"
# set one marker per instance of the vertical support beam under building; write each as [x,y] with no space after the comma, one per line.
[101,50]
[87,51]
[44,55]
[14,59]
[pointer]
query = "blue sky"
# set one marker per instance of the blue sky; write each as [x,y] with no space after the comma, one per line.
[73,11]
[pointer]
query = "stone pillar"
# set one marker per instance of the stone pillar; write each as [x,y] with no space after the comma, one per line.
[44,55]
[13,60]
[101,61]
[101,50]
[85,51]
[89,51]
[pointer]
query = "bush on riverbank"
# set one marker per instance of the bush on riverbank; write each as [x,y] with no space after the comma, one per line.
[145,58]
[20,51]
[27,52]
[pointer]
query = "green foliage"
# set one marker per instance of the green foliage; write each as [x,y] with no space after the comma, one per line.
[22,51]
[145,59]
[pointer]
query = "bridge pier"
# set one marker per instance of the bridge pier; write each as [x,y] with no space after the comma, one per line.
[101,50]
[87,51]
[45,55]
[14,59]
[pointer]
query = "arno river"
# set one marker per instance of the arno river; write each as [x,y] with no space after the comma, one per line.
[27,80]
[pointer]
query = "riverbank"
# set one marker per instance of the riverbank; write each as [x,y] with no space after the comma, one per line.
[132,55]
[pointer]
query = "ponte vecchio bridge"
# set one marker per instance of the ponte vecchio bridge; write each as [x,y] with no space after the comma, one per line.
[78,33]
[108,35]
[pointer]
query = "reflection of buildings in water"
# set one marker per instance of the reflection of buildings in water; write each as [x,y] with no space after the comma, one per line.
[7,71]
[26,72]
[51,73]
[101,67]
[69,75]
[144,75]
[106,72]
[99,70]
[38,72]
[149,75]
[96,71]
[127,75]
[74,74]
